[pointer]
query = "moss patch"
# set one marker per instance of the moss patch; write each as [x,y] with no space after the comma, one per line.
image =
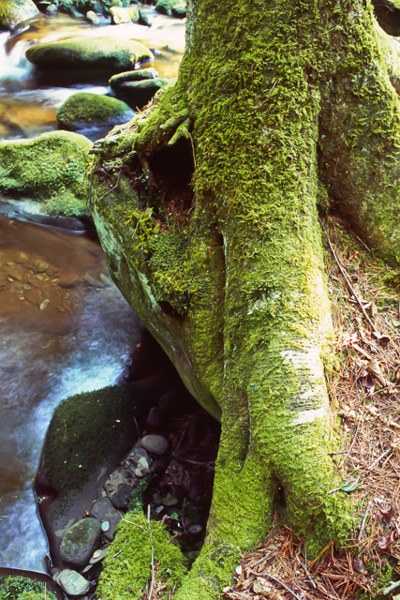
[50,168]
[84,108]
[109,53]
[23,588]
[127,567]
[85,430]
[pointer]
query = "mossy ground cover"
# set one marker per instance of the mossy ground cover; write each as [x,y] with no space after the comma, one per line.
[142,559]
[24,588]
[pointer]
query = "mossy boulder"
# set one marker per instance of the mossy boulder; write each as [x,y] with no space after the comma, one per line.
[117,80]
[50,168]
[13,12]
[139,93]
[80,541]
[167,7]
[85,109]
[86,429]
[127,567]
[107,53]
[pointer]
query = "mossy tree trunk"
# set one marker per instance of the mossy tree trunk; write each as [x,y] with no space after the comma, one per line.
[206,206]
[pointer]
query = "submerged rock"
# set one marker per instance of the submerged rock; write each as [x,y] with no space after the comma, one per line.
[103,52]
[16,11]
[84,109]
[50,168]
[80,541]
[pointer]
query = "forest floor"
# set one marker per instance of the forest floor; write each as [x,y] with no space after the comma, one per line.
[364,387]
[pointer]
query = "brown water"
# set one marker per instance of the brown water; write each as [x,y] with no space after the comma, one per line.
[64,327]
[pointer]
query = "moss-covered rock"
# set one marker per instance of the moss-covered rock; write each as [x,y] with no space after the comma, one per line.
[139,93]
[13,12]
[167,7]
[117,80]
[50,168]
[127,567]
[24,588]
[83,109]
[86,429]
[108,53]
[80,541]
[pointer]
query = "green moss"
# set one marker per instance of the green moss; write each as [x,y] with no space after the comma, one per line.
[23,588]
[105,52]
[84,108]
[50,168]
[273,101]
[127,568]
[13,12]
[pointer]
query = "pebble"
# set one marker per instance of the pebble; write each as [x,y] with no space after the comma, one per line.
[73,583]
[105,526]
[98,555]
[143,467]
[157,444]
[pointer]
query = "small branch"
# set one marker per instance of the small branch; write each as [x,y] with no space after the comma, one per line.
[277,581]
[364,521]
[379,458]
[152,554]
[346,278]
[307,573]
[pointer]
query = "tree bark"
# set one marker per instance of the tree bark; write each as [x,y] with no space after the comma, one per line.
[277,105]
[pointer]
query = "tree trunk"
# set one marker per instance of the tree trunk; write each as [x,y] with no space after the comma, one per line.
[206,206]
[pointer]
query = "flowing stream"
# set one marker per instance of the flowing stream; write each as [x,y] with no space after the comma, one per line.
[65,328]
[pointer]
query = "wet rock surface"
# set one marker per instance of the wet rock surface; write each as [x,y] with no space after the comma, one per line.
[80,541]
[73,583]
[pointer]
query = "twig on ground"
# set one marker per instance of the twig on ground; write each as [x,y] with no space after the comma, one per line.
[152,554]
[277,581]
[364,521]
[352,291]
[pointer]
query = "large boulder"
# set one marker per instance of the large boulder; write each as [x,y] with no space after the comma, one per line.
[13,12]
[50,168]
[106,53]
[84,109]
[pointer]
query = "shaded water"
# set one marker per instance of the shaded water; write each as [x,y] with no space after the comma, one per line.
[64,326]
